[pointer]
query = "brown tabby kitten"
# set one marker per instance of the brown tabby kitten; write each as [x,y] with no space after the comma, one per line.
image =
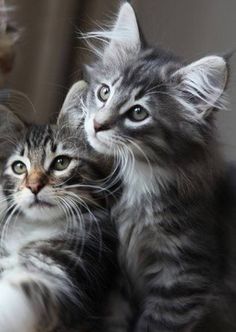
[57,243]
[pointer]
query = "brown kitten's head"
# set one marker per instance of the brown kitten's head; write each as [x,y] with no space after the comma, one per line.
[47,171]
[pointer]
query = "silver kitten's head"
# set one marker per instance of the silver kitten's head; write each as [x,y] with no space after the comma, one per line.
[47,173]
[146,101]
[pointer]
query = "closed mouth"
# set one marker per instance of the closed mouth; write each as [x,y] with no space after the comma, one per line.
[40,203]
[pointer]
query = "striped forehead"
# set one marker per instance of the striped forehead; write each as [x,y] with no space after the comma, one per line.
[38,138]
[47,140]
[42,145]
[38,142]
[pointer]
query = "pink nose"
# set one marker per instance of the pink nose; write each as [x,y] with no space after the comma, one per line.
[97,125]
[35,187]
[100,126]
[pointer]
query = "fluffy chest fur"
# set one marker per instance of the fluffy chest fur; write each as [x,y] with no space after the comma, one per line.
[159,233]
[137,215]
[22,231]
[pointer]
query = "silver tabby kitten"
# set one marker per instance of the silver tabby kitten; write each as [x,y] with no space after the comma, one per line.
[57,244]
[155,115]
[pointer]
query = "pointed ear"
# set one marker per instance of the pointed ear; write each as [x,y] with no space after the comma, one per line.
[11,128]
[71,112]
[124,38]
[201,85]
[9,122]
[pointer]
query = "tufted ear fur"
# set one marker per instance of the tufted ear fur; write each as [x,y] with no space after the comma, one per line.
[122,41]
[202,84]
[124,38]
[71,112]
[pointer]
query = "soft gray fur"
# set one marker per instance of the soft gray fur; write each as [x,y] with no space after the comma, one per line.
[57,242]
[169,216]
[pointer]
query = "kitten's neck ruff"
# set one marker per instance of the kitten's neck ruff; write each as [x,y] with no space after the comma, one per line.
[142,180]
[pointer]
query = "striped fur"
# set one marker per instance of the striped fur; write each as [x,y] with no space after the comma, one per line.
[57,248]
[168,218]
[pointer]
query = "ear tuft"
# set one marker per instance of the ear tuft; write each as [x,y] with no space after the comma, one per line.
[125,37]
[126,26]
[123,40]
[203,82]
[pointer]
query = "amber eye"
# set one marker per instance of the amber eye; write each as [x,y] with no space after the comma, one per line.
[104,92]
[137,113]
[60,163]
[19,167]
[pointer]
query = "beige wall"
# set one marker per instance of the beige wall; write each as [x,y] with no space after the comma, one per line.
[49,53]
[43,52]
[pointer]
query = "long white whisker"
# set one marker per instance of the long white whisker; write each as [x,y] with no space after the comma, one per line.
[6,224]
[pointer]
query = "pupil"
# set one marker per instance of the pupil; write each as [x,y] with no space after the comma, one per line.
[138,111]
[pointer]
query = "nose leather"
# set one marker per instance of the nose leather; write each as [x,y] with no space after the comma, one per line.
[100,126]
[36,181]
[35,187]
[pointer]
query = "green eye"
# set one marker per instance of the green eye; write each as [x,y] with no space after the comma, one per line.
[104,92]
[60,163]
[19,167]
[137,113]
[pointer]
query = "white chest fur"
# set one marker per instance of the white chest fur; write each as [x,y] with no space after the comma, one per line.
[139,180]
[22,231]
[136,214]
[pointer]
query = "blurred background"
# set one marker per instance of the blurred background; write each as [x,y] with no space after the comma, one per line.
[50,54]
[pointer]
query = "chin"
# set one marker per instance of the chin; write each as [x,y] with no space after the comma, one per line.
[100,146]
[42,213]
